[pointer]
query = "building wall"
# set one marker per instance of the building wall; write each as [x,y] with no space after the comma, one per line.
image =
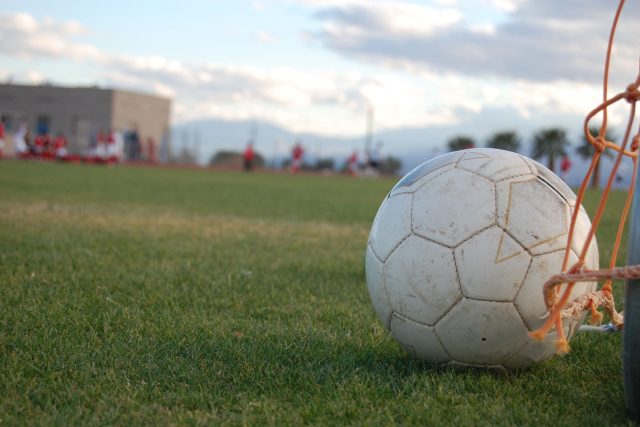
[147,115]
[81,112]
[77,112]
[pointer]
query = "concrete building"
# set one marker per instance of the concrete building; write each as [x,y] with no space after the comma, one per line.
[80,113]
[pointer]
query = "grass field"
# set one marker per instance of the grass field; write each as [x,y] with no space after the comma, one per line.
[158,296]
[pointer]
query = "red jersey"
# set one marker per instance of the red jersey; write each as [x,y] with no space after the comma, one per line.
[248,154]
[60,142]
[1,130]
[565,165]
[297,152]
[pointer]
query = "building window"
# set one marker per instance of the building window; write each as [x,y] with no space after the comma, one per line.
[80,132]
[7,121]
[43,124]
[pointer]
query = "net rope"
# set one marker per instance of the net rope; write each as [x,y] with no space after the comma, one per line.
[556,297]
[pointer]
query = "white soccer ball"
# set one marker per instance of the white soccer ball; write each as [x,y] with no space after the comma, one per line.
[458,254]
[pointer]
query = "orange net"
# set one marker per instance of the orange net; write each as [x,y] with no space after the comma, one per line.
[557,300]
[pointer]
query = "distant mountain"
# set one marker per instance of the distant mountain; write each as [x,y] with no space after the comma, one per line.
[412,146]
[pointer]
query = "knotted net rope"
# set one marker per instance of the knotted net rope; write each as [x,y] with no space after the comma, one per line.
[556,298]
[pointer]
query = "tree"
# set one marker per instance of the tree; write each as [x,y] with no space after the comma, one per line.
[224,157]
[185,157]
[460,142]
[586,151]
[325,164]
[390,165]
[550,143]
[229,158]
[506,140]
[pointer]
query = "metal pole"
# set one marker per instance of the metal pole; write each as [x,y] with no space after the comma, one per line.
[369,137]
[631,335]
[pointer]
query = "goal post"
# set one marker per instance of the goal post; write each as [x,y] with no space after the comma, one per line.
[631,335]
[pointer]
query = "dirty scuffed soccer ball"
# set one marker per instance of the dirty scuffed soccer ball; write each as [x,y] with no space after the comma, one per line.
[459,251]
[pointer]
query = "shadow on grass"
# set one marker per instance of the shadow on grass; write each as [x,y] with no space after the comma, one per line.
[227,370]
[296,367]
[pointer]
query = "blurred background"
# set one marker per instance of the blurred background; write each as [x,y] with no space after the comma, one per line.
[349,81]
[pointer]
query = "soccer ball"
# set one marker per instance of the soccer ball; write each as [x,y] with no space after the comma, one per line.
[459,251]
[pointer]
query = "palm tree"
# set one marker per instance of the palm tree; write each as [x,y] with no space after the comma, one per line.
[552,143]
[506,140]
[460,143]
[586,151]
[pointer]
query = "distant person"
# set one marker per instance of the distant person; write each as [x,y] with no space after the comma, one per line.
[20,142]
[101,146]
[30,144]
[134,146]
[374,157]
[38,145]
[296,157]
[47,147]
[109,147]
[112,147]
[151,150]
[118,146]
[60,147]
[31,149]
[565,166]
[247,157]
[352,163]
[2,138]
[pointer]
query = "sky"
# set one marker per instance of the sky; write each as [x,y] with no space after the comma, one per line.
[317,66]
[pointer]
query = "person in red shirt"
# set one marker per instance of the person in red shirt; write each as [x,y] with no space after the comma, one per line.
[565,166]
[47,147]
[296,157]
[111,154]
[60,147]
[352,163]
[101,146]
[38,145]
[247,157]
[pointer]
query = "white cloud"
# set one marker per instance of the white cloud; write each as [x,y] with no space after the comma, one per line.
[33,77]
[542,40]
[484,28]
[264,37]
[70,28]
[414,19]
[506,5]
[19,22]
[258,6]
[404,93]
[368,19]
[24,36]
